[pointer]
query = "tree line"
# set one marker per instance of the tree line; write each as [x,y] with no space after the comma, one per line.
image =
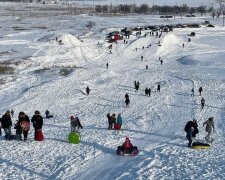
[156,9]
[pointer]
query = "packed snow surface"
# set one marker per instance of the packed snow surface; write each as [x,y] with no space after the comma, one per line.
[52,76]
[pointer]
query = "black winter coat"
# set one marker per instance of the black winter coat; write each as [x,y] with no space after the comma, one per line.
[6,121]
[26,118]
[191,124]
[37,121]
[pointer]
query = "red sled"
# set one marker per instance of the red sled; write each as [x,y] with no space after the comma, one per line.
[40,136]
[117,126]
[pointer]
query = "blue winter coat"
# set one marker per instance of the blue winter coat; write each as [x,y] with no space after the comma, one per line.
[119,120]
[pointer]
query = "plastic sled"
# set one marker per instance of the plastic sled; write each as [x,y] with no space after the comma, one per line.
[121,152]
[117,126]
[200,145]
[10,137]
[49,116]
[39,136]
[74,138]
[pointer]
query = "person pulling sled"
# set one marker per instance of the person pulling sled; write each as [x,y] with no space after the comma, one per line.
[37,121]
[127,148]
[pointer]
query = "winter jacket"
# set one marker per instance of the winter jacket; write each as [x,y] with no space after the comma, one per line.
[37,121]
[127,101]
[6,121]
[113,117]
[76,123]
[119,120]
[18,128]
[191,124]
[189,135]
[146,91]
[109,119]
[22,120]
[209,125]
[127,145]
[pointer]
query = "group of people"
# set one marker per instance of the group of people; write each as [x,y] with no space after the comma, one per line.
[200,90]
[113,120]
[22,125]
[191,129]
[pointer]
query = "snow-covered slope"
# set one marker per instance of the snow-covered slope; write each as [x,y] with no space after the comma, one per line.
[154,124]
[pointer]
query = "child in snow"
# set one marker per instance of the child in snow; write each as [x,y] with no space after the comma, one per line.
[146,91]
[75,124]
[119,120]
[202,102]
[37,121]
[24,122]
[109,121]
[127,101]
[127,146]
[158,88]
[113,119]
[18,129]
[87,90]
[200,91]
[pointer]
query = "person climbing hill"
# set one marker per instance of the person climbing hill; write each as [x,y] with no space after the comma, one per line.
[210,127]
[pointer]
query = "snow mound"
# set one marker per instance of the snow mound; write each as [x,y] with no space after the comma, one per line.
[69,40]
[169,44]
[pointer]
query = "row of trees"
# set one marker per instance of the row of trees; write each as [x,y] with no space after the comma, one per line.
[155,9]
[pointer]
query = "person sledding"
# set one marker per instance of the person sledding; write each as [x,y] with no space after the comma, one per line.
[75,124]
[127,148]
[37,121]
[47,114]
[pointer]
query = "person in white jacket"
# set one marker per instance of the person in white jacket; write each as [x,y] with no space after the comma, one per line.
[209,128]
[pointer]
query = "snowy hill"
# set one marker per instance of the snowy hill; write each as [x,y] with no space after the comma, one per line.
[52,76]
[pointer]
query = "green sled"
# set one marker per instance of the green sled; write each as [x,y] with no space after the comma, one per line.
[74,138]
